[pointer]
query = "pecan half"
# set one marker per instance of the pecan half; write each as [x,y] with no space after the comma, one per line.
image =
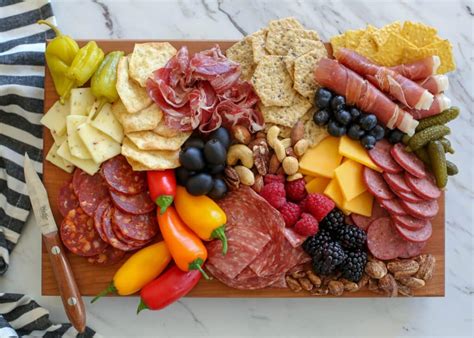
[231,178]
[427,265]
[376,269]
[403,268]
[389,285]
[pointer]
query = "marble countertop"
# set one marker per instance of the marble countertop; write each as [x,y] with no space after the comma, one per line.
[225,19]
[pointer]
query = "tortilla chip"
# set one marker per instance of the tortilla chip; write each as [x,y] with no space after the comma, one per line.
[286,116]
[417,33]
[151,159]
[241,52]
[367,45]
[391,52]
[338,42]
[163,130]
[305,83]
[145,119]
[276,31]
[148,140]
[352,38]
[412,54]
[381,35]
[272,82]
[257,41]
[148,57]
[134,97]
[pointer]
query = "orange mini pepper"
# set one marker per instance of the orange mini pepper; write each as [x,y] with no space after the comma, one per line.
[187,250]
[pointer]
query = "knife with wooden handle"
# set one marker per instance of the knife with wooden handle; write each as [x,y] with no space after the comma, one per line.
[72,300]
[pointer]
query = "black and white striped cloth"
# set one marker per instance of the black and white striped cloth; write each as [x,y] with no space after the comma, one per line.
[22,45]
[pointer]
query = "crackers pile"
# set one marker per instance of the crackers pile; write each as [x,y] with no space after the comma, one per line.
[398,43]
[279,60]
[148,144]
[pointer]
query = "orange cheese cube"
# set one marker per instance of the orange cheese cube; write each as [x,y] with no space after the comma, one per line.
[322,159]
[355,151]
[361,205]
[308,178]
[334,192]
[349,177]
[317,185]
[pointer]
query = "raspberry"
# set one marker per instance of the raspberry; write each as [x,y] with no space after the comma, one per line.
[291,213]
[318,205]
[270,178]
[296,190]
[274,193]
[307,225]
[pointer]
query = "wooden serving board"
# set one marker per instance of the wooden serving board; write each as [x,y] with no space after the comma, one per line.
[91,278]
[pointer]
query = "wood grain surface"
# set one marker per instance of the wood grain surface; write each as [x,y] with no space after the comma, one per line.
[91,278]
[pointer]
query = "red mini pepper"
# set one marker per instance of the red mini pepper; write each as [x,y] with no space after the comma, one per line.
[168,288]
[162,187]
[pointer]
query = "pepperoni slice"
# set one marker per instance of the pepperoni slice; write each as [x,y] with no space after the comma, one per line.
[393,206]
[128,240]
[423,210]
[376,184]
[77,178]
[409,197]
[78,234]
[67,199]
[109,256]
[409,222]
[412,249]
[424,187]
[138,227]
[109,233]
[134,204]
[91,192]
[98,214]
[363,222]
[120,176]
[396,182]
[383,240]
[420,235]
[380,154]
[408,161]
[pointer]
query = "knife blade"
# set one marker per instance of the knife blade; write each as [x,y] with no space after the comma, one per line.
[70,296]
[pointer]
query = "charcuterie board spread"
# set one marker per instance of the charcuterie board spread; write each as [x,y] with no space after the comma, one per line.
[275,166]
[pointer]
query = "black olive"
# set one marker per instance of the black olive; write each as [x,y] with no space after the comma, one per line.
[182,175]
[194,142]
[199,184]
[192,159]
[218,190]
[222,135]
[215,152]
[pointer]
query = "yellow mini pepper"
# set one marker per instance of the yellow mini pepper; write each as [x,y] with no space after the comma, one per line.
[140,269]
[59,55]
[202,215]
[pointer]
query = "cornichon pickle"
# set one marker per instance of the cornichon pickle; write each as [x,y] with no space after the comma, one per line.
[444,117]
[447,145]
[406,139]
[422,138]
[422,154]
[438,163]
[451,168]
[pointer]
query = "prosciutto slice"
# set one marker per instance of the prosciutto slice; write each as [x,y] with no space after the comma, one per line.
[440,103]
[361,93]
[204,91]
[389,81]
[435,84]
[419,69]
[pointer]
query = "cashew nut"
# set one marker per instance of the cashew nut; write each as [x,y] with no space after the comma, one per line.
[300,147]
[245,174]
[294,177]
[290,165]
[242,153]
[272,135]
[280,150]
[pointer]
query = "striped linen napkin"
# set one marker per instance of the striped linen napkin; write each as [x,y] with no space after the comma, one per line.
[22,45]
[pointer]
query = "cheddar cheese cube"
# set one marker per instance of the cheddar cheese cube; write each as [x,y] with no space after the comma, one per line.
[322,159]
[353,149]
[317,185]
[361,205]
[349,177]
[333,191]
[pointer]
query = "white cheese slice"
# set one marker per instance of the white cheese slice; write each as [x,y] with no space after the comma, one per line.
[106,122]
[58,161]
[81,101]
[76,146]
[55,118]
[100,146]
[59,139]
[88,166]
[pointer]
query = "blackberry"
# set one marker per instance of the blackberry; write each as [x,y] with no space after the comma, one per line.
[333,221]
[327,258]
[312,243]
[354,265]
[351,237]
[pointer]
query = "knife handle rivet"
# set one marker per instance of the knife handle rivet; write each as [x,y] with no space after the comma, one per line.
[72,301]
[55,250]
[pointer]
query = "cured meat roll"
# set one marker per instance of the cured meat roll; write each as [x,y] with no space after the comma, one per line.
[435,84]
[440,103]
[393,83]
[419,69]
[359,92]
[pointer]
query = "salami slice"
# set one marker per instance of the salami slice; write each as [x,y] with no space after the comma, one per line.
[408,161]
[138,204]
[376,184]
[109,233]
[109,256]
[424,187]
[138,227]
[130,241]
[293,237]
[420,235]
[78,234]
[393,206]
[77,178]
[423,210]
[98,214]
[412,249]
[363,222]
[383,240]
[409,222]
[120,176]
[91,192]
[409,197]
[67,199]
[396,182]
[381,156]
